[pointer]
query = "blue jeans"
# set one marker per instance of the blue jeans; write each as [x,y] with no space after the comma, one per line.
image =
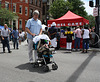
[15,42]
[5,43]
[85,41]
[77,42]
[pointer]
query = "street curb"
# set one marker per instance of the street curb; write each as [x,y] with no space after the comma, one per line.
[90,49]
[94,49]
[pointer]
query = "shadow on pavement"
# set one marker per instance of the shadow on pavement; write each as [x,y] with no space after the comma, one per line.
[28,66]
[12,49]
[78,72]
[67,52]
[1,53]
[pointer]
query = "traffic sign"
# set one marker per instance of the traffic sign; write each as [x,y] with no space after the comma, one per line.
[95,11]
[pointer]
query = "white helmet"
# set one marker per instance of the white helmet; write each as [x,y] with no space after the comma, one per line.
[53,24]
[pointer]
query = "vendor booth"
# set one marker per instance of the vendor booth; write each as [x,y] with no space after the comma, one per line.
[69,19]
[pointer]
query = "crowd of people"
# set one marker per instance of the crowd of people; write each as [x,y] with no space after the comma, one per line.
[79,34]
[34,28]
[16,36]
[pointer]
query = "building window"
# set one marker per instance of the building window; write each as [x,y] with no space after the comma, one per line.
[36,2]
[26,10]
[7,6]
[25,22]
[31,1]
[14,23]
[52,1]
[14,7]
[31,12]
[20,24]
[20,9]
[40,3]
[26,1]
[0,2]
[21,0]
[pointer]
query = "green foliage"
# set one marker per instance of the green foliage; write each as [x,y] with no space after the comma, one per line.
[6,16]
[78,8]
[91,20]
[59,8]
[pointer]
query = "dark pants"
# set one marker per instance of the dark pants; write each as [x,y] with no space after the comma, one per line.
[58,45]
[77,43]
[85,41]
[5,43]
[15,41]
[0,38]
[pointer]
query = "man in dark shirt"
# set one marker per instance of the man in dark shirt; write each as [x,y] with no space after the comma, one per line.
[58,39]
[52,35]
[52,32]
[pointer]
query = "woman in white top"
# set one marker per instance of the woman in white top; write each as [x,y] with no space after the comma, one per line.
[20,37]
[86,36]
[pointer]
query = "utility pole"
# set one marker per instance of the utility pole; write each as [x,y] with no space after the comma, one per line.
[97,19]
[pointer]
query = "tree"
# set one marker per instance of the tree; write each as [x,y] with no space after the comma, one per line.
[78,8]
[59,8]
[91,20]
[6,16]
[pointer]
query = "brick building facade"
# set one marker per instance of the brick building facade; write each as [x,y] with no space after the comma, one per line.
[33,5]
[24,10]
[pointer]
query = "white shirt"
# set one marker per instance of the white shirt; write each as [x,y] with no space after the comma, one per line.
[86,34]
[23,33]
[5,32]
[20,34]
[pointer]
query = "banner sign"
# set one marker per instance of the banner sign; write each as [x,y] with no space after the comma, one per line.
[67,24]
